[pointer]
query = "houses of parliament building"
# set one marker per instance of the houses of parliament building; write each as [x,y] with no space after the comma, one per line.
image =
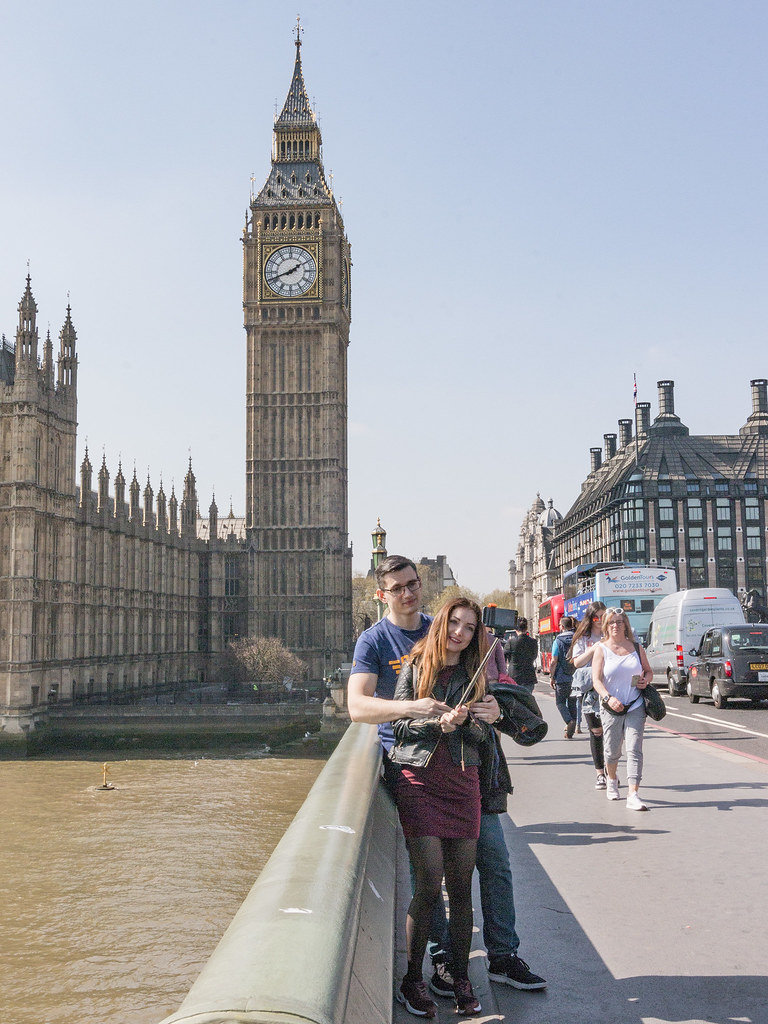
[109,588]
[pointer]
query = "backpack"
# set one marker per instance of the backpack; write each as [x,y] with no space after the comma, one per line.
[565,667]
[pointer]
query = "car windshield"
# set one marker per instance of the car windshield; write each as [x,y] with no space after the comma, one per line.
[750,640]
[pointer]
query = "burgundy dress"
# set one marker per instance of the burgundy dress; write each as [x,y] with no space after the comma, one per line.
[441,799]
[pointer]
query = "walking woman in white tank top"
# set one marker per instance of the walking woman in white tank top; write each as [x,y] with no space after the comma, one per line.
[620,670]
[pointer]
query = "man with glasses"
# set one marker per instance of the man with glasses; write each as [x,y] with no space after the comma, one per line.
[379,652]
[376,665]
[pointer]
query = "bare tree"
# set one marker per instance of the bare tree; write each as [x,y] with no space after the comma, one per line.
[364,610]
[262,660]
[501,598]
[448,594]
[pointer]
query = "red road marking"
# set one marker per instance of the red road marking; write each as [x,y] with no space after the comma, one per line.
[709,743]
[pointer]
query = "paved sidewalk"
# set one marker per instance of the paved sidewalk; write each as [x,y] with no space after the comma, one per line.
[633,918]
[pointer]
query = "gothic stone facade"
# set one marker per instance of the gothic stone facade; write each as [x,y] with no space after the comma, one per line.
[101,595]
[297,316]
[532,571]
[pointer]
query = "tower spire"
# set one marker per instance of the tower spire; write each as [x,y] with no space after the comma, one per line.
[26,332]
[297,169]
[297,110]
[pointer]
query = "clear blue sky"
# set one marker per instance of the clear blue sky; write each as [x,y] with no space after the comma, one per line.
[542,197]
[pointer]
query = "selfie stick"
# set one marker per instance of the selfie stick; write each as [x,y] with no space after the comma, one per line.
[471,684]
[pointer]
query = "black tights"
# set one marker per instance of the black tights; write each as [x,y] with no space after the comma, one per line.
[595,739]
[431,859]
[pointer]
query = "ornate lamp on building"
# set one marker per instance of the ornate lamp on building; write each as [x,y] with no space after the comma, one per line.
[378,554]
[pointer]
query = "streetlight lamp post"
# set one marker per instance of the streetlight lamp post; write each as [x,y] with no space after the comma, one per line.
[379,553]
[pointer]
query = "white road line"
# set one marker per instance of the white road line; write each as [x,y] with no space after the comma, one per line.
[716,721]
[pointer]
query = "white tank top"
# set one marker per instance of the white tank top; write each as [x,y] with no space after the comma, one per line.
[618,670]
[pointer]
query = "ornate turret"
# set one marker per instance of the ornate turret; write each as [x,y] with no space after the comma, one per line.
[119,491]
[173,512]
[189,503]
[86,475]
[67,357]
[134,492]
[149,495]
[103,488]
[26,334]
[48,362]
[162,513]
[213,520]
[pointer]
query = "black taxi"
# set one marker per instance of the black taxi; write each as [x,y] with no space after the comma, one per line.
[732,661]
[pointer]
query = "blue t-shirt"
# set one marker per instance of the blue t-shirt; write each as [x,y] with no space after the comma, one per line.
[380,649]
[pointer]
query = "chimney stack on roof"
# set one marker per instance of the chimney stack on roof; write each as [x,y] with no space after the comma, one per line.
[642,420]
[625,433]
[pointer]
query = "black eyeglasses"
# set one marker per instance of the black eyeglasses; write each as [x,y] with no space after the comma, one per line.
[397,591]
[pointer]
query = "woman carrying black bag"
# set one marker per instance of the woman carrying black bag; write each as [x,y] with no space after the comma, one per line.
[620,672]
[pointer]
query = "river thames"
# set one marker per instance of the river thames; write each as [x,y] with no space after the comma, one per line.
[112,901]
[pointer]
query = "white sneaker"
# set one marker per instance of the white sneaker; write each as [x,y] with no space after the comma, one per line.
[634,803]
[612,789]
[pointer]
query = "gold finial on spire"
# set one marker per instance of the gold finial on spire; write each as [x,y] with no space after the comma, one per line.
[298,30]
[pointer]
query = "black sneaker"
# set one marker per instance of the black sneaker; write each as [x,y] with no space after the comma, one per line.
[441,981]
[511,970]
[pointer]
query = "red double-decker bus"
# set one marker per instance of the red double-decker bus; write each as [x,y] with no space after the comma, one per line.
[550,613]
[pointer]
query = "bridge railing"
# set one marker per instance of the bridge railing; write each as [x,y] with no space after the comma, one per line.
[313,941]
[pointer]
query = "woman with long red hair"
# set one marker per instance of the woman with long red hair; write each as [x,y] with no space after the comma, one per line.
[438,794]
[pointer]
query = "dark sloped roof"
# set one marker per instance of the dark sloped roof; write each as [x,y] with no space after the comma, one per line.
[302,182]
[704,457]
[297,111]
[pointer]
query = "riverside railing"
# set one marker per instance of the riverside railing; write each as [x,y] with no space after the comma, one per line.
[313,941]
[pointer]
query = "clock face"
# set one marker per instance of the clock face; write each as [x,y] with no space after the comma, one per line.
[290,271]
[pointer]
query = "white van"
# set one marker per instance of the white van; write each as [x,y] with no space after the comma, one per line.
[677,624]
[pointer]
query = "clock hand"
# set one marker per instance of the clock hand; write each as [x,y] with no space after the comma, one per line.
[290,270]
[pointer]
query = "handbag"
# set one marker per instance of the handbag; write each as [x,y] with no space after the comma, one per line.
[655,707]
[604,706]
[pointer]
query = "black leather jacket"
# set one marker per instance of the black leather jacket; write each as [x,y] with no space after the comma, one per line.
[416,738]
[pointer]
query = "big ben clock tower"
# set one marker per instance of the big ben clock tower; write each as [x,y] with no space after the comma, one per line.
[297,313]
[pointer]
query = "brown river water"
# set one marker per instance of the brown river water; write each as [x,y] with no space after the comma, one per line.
[112,901]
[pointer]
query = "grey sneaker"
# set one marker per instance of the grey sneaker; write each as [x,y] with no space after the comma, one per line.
[600,781]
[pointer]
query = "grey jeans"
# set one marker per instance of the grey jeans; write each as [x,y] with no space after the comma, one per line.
[620,728]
